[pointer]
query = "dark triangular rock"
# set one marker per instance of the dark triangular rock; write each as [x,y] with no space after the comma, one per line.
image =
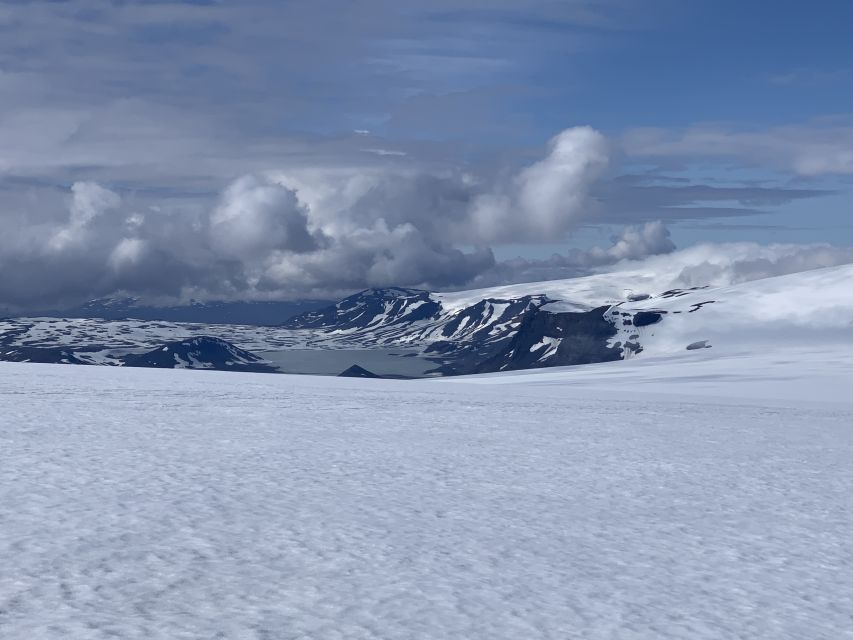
[357,372]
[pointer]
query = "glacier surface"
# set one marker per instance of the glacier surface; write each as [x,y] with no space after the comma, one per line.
[705,498]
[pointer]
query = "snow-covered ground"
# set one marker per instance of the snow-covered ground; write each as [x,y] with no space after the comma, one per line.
[647,499]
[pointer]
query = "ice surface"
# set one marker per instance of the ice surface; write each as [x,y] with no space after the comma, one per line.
[635,500]
[812,307]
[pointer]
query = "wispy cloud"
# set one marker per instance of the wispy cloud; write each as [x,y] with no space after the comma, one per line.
[810,149]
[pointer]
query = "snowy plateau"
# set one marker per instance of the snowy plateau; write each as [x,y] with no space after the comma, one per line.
[673,493]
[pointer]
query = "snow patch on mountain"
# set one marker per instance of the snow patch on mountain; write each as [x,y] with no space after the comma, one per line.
[583,320]
[201,352]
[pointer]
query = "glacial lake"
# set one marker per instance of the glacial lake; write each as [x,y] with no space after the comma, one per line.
[331,362]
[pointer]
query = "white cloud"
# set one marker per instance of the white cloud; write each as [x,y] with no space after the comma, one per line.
[547,198]
[386,152]
[648,251]
[313,231]
[633,243]
[324,232]
[89,200]
[724,264]
[255,217]
[127,253]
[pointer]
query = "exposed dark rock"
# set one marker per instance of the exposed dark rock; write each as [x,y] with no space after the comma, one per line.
[202,352]
[646,318]
[699,305]
[702,344]
[637,297]
[480,315]
[582,339]
[356,371]
[633,348]
[677,293]
[442,346]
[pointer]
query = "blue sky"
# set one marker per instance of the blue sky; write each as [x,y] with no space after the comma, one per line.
[725,121]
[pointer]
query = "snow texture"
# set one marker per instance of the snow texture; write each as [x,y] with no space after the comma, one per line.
[633,500]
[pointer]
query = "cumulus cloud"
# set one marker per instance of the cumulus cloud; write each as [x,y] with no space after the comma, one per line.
[377,256]
[548,197]
[726,264]
[327,231]
[313,231]
[633,243]
[649,252]
[89,200]
[382,227]
[127,253]
[255,217]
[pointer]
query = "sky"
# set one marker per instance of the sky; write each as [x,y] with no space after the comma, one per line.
[271,149]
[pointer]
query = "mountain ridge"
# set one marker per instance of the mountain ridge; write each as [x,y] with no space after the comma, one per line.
[599,318]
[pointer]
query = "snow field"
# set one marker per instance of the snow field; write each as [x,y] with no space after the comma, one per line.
[142,503]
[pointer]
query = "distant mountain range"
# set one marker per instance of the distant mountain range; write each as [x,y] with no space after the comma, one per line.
[250,313]
[599,318]
[202,352]
[486,335]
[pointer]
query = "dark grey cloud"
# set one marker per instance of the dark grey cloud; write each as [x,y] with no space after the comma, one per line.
[636,197]
[816,148]
[151,92]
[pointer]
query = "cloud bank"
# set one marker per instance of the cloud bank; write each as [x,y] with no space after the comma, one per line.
[325,233]
[298,233]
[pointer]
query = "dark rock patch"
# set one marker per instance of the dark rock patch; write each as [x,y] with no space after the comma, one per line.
[677,293]
[637,297]
[201,352]
[356,371]
[646,318]
[702,344]
[699,305]
[582,338]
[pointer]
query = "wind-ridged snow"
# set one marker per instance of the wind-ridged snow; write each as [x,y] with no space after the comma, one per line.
[699,498]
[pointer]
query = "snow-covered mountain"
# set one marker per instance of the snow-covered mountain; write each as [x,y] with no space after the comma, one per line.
[458,336]
[593,319]
[599,318]
[202,352]
[369,309]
